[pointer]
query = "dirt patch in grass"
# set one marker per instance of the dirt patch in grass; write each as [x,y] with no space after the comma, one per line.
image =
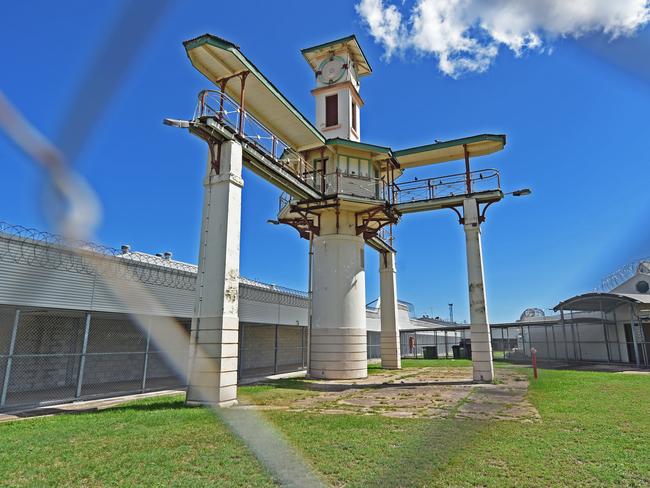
[432,392]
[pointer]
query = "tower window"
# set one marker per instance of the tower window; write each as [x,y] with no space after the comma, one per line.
[331,110]
[354,116]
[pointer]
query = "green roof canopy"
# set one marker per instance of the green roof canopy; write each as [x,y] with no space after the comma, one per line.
[339,141]
[218,58]
[441,152]
[312,54]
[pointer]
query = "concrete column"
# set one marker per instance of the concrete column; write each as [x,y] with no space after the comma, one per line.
[215,324]
[479,327]
[390,351]
[338,342]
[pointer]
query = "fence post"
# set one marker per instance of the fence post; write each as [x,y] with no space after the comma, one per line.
[302,347]
[12,344]
[146,355]
[618,339]
[82,360]
[446,346]
[240,352]
[603,319]
[275,352]
[634,342]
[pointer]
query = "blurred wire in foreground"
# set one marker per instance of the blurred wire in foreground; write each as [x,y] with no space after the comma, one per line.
[81,211]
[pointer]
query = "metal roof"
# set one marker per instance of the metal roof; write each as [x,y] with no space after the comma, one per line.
[364,146]
[217,58]
[312,54]
[591,302]
[441,152]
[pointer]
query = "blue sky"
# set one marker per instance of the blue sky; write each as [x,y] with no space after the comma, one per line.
[576,121]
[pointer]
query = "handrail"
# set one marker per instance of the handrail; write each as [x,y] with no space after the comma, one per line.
[217,104]
[446,186]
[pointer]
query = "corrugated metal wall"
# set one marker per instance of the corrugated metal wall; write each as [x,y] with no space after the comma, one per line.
[34,274]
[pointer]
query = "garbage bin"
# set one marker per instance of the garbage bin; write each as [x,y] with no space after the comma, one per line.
[455,349]
[430,352]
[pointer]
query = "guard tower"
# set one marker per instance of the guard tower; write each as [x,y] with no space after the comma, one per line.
[339,192]
[338,65]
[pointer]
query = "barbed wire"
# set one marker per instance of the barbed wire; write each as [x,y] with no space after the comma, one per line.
[623,274]
[33,247]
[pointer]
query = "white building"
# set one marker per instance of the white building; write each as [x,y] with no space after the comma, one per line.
[65,334]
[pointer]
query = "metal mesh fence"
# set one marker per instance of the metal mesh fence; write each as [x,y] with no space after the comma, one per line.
[270,349]
[573,341]
[445,342]
[374,344]
[54,356]
[588,340]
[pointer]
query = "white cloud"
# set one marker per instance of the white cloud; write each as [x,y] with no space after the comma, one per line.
[465,35]
[385,23]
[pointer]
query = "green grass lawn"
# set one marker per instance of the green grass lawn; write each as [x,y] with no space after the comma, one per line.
[595,431]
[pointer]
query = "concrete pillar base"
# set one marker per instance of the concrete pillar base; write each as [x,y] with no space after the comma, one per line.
[391,357]
[227,404]
[213,363]
[338,353]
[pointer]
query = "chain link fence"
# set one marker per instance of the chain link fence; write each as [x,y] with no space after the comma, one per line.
[54,356]
[271,349]
[414,342]
[587,340]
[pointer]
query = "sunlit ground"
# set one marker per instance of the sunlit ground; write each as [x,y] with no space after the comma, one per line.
[593,430]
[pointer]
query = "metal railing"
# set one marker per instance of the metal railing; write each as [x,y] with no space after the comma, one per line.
[446,186]
[218,105]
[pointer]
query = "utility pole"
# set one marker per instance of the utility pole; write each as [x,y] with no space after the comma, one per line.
[451,313]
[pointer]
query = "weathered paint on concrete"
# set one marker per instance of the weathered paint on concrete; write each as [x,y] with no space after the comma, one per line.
[479,326]
[215,326]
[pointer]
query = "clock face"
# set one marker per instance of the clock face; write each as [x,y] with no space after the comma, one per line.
[331,70]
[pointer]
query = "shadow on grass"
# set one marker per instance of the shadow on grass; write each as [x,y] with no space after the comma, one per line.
[422,457]
[131,405]
[151,406]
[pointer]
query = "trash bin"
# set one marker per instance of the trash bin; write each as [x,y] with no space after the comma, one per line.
[455,349]
[430,352]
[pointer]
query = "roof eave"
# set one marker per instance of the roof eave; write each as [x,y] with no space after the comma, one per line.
[451,143]
[339,141]
[350,38]
[235,50]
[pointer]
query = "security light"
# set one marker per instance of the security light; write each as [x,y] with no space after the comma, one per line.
[181,124]
[521,193]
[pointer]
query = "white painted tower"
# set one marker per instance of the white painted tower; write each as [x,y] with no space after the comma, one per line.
[338,66]
[340,193]
[349,174]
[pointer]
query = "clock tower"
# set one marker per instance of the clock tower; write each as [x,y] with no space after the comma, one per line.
[338,66]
